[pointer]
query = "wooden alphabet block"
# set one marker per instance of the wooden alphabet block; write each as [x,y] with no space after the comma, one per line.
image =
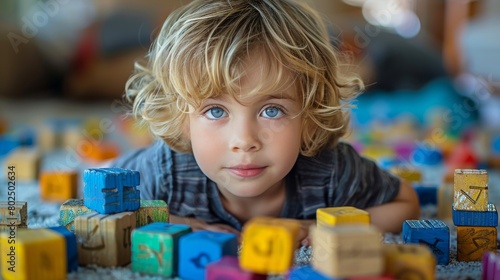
[487,218]
[36,254]
[58,186]
[333,216]
[152,211]
[71,209]
[409,174]
[347,251]
[268,245]
[409,261]
[13,213]
[229,268]
[155,248]
[99,151]
[471,190]
[26,162]
[433,233]
[104,240]
[427,194]
[445,201]
[111,190]
[473,242]
[197,249]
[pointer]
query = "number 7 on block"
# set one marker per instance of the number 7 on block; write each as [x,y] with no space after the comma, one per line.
[471,190]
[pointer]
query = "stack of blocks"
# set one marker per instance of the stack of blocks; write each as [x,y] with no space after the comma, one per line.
[475,218]
[346,246]
[104,235]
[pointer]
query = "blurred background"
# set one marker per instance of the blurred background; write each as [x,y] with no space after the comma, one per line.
[430,66]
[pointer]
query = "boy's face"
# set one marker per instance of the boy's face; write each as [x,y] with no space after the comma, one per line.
[247,145]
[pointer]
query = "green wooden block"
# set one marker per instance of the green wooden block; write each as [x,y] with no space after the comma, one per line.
[155,248]
[71,209]
[152,211]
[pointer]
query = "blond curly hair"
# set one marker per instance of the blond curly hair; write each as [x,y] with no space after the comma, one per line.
[198,55]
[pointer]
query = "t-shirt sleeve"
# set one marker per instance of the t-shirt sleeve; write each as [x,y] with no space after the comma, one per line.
[148,162]
[360,182]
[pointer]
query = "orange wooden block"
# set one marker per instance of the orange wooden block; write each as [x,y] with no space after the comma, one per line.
[99,151]
[409,261]
[473,242]
[58,186]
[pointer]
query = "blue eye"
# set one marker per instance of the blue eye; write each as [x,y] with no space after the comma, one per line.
[215,113]
[272,112]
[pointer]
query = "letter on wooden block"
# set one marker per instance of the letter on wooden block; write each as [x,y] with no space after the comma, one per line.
[14,214]
[268,245]
[435,234]
[104,240]
[58,186]
[36,254]
[347,251]
[473,242]
[333,216]
[229,268]
[111,190]
[71,209]
[152,211]
[409,261]
[155,248]
[471,190]
[197,249]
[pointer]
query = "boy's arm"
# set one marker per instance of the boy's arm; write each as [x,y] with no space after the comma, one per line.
[389,217]
[196,224]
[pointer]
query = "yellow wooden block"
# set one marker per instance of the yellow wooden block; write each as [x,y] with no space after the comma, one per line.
[33,254]
[13,213]
[269,245]
[409,174]
[26,163]
[471,190]
[376,152]
[347,250]
[445,201]
[58,186]
[104,240]
[333,216]
[409,261]
[473,242]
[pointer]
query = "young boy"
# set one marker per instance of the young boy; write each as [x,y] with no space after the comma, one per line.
[249,103]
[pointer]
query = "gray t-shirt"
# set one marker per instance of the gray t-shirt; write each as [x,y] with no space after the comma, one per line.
[335,177]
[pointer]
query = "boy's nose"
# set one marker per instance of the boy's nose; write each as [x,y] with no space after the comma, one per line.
[245,137]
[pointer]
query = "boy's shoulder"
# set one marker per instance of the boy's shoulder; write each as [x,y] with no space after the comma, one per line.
[328,160]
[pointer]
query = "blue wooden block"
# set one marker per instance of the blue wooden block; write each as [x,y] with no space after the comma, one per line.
[71,247]
[433,233]
[426,194]
[200,248]
[111,190]
[7,144]
[487,218]
[306,272]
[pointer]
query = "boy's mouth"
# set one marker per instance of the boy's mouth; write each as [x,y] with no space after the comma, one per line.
[247,170]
